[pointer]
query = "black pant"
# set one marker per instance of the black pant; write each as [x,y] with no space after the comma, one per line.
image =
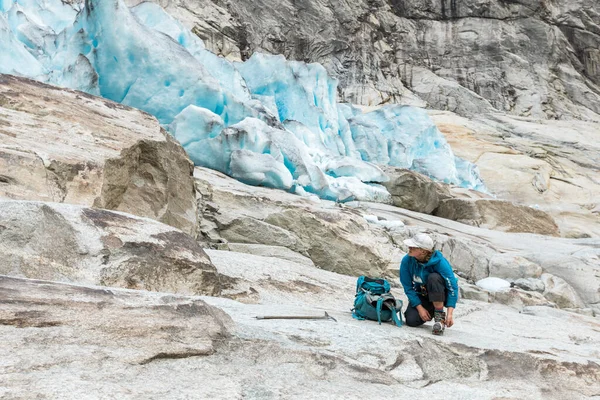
[436,291]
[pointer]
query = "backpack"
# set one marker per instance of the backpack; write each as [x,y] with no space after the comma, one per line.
[374,301]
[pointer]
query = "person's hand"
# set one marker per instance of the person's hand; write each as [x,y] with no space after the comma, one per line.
[423,313]
[449,317]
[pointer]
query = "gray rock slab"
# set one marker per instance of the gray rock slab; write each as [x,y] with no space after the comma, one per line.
[70,243]
[546,164]
[77,342]
[414,191]
[530,284]
[498,215]
[270,251]
[500,335]
[72,342]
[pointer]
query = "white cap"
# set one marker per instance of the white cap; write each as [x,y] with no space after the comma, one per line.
[420,241]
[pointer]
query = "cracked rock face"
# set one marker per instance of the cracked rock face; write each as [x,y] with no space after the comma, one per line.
[65,146]
[92,336]
[333,237]
[551,166]
[498,215]
[70,243]
[535,58]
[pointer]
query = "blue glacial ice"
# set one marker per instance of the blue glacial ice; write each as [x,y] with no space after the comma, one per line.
[14,57]
[266,121]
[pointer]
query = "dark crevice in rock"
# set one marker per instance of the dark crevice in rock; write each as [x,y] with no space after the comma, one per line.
[7,180]
[103,218]
[27,323]
[178,355]
[565,181]
[466,17]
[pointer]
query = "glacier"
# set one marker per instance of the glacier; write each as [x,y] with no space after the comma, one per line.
[265,121]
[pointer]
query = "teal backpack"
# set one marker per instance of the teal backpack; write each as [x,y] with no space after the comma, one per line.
[374,301]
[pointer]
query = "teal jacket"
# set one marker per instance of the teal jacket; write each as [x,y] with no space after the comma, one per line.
[413,274]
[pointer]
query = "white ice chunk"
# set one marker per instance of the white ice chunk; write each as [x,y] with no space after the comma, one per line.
[346,166]
[194,124]
[391,225]
[260,169]
[371,218]
[493,284]
[351,188]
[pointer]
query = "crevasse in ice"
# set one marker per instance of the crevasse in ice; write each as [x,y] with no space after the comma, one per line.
[266,121]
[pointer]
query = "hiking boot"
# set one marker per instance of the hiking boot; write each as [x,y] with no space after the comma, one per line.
[439,324]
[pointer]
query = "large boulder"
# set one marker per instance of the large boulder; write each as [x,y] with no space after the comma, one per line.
[414,191]
[560,292]
[469,258]
[513,267]
[65,146]
[499,215]
[70,243]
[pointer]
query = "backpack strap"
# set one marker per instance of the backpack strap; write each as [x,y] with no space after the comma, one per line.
[395,306]
[379,305]
[359,297]
[359,283]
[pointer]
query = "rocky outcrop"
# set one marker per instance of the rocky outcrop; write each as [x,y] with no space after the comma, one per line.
[513,267]
[334,237]
[550,165]
[104,339]
[417,192]
[367,238]
[70,243]
[537,59]
[498,215]
[65,146]
[560,292]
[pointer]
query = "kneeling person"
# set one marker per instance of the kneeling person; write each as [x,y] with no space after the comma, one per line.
[429,284]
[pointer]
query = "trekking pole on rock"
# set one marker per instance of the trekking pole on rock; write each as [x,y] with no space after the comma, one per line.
[326,316]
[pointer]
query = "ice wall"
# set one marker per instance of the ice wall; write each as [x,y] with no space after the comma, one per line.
[267,121]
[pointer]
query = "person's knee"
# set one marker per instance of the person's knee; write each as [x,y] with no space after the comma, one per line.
[413,319]
[434,277]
